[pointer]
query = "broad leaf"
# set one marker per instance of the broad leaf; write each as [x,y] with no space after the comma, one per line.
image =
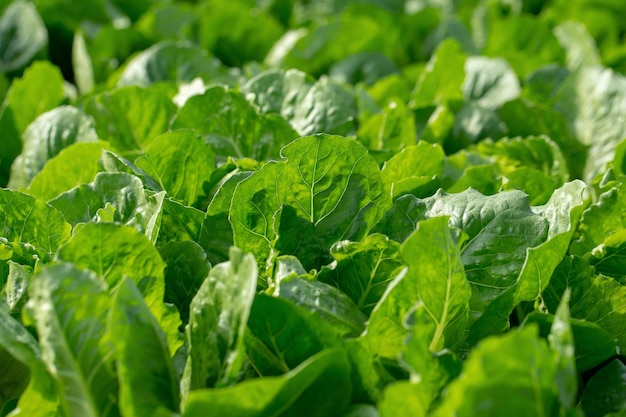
[232,126]
[328,188]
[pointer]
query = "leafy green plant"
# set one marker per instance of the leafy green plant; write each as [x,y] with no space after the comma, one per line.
[312,208]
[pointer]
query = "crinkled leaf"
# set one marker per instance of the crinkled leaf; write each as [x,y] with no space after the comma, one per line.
[146,376]
[594,102]
[14,294]
[580,48]
[218,316]
[30,227]
[311,107]
[133,205]
[69,307]
[46,137]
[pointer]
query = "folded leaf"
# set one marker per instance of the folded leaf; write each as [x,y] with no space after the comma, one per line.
[146,376]
[318,387]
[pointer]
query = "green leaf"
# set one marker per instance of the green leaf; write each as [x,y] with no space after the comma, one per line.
[601,221]
[186,269]
[234,34]
[232,126]
[217,322]
[328,302]
[525,41]
[77,164]
[282,335]
[40,398]
[69,308]
[595,298]
[434,260]
[23,36]
[388,131]
[46,137]
[115,251]
[541,259]
[561,340]
[363,270]
[365,67]
[514,373]
[30,227]
[40,89]
[414,170]
[592,344]
[311,107]
[489,82]
[180,162]
[133,205]
[595,111]
[323,376]
[580,48]
[605,390]
[443,77]
[15,290]
[328,187]
[169,61]
[146,375]
[130,118]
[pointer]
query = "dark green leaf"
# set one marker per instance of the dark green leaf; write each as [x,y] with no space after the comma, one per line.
[605,392]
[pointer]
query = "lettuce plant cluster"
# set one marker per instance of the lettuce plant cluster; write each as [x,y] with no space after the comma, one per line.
[324,208]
